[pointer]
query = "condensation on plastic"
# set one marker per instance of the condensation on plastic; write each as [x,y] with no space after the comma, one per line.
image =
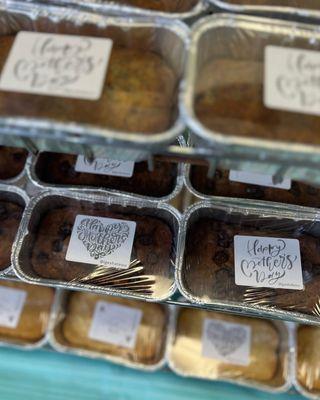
[185,355]
[233,47]
[32,330]
[151,277]
[221,189]
[39,167]
[149,351]
[207,282]
[293,8]
[18,196]
[170,9]
[53,131]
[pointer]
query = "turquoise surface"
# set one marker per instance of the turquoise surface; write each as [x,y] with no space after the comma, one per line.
[45,375]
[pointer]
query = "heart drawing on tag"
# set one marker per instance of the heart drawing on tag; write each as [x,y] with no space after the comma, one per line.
[102,239]
[226,340]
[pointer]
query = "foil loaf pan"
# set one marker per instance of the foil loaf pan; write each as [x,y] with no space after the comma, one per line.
[281,381]
[157,285]
[37,185]
[59,342]
[286,9]
[24,344]
[20,197]
[222,294]
[168,39]
[230,37]
[186,10]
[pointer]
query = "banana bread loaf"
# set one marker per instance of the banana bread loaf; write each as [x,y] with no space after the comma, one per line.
[12,161]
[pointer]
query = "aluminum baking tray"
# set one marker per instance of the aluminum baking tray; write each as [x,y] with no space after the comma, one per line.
[279,384]
[60,344]
[244,37]
[169,39]
[164,285]
[184,10]
[38,185]
[276,220]
[297,9]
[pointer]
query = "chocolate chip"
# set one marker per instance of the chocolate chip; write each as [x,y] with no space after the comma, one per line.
[312,190]
[145,240]
[57,246]
[218,174]
[3,212]
[295,189]
[72,173]
[65,230]
[64,166]
[255,192]
[18,156]
[1,231]
[220,257]
[42,256]
[152,259]
[224,240]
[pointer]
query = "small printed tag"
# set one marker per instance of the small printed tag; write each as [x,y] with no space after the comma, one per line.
[101,241]
[103,166]
[258,179]
[11,305]
[115,324]
[268,262]
[292,79]
[57,65]
[226,341]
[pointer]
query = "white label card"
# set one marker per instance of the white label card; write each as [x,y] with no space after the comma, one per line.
[268,262]
[292,79]
[115,324]
[57,65]
[105,166]
[11,305]
[258,179]
[101,241]
[226,341]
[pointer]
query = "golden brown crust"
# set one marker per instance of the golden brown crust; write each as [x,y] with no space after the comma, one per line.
[308,372]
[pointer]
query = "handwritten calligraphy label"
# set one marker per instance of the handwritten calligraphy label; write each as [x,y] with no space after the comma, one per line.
[292,80]
[267,262]
[57,65]
[105,166]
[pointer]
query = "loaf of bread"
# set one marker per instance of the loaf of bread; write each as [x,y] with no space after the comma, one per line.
[209,266]
[34,317]
[220,185]
[151,335]
[152,244]
[308,342]
[10,217]
[12,161]
[224,86]
[138,95]
[186,351]
[59,169]
[171,6]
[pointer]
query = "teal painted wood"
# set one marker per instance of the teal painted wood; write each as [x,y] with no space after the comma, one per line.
[45,375]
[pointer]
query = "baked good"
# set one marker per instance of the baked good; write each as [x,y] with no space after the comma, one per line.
[150,340]
[10,217]
[138,95]
[12,161]
[220,185]
[172,6]
[209,265]
[186,351]
[59,169]
[35,313]
[308,353]
[225,85]
[306,4]
[152,245]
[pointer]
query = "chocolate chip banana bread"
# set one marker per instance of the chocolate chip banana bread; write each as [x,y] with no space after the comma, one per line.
[150,340]
[172,6]
[33,321]
[186,351]
[220,185]
[152,245]
[224,86]
[209,266]
[59,169]
[10,217]
[12,161]
[138,95]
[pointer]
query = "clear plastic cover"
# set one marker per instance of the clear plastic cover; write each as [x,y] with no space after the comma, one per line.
[267,363]
[169,6]
[74,317]
[306,4]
